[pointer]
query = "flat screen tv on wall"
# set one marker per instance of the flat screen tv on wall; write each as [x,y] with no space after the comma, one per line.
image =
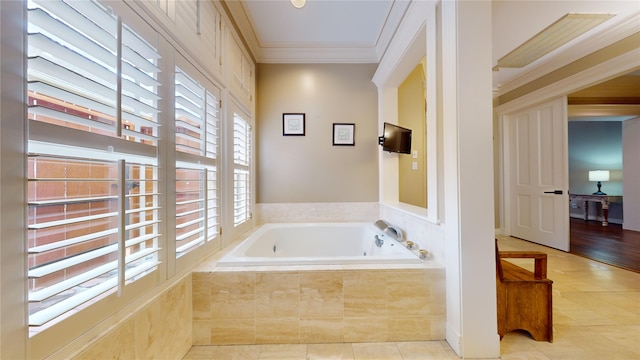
[395,139]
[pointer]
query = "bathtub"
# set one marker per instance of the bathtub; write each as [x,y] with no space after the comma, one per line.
[318,244]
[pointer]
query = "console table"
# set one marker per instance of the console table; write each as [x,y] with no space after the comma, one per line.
[602,199]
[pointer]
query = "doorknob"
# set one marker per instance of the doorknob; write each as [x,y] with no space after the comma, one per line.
[557,192]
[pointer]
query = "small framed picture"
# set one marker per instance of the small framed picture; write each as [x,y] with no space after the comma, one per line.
[344,134]
[293,124]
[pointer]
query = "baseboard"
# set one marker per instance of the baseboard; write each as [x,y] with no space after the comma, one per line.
[596,218]
[454,340]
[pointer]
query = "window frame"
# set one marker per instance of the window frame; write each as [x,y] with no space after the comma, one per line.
[214,243]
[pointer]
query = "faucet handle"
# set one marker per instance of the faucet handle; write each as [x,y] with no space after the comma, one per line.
[410,245]
[423,253]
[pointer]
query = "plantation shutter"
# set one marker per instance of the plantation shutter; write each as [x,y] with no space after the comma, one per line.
[92,164]
[241,170]
[196,128]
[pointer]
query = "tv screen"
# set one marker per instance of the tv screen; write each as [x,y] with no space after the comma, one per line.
[396,139]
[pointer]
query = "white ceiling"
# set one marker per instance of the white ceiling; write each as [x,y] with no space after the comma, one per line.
[358,31]
[319,23]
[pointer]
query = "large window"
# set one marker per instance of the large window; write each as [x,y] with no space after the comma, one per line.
[93,192]
[124,164]
[196,135]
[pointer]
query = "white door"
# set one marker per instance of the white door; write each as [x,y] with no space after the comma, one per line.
[537,177]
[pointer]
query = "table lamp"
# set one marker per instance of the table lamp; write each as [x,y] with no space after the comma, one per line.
[599,176]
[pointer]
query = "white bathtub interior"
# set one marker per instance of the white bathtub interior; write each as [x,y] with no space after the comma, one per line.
[318,243]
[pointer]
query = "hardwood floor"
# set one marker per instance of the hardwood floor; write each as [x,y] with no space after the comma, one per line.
[608,244]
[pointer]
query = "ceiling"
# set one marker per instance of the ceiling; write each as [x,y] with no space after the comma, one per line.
[358,31]
[617,99]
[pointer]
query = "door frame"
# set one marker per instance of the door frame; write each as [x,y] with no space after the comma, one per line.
[596,74]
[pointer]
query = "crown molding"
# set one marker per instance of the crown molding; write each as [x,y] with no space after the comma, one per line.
[396,14]
[240,20]
[310,55]
[604,110]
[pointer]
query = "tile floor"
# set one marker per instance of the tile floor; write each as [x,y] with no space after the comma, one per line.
[596,310]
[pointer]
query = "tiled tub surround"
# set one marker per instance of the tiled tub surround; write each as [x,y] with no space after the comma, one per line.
[159,329]
[426,234]
[317,212]
[317,304]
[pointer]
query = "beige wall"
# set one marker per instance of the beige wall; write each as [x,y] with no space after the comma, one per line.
[296,169]
[411,114]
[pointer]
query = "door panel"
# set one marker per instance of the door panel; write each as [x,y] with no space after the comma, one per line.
[538,165]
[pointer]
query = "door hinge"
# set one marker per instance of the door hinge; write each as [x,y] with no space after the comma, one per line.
[220,230]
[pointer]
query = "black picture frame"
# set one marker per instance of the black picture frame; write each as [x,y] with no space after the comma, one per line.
[344,134]
[293,124]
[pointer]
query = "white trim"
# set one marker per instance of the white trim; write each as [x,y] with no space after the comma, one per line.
[434,171]
[302,55]
[394,19]
[587,46]
[596,74]
[402,56]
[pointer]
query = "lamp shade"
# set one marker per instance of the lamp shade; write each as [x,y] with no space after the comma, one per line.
[298,3]
[599,175]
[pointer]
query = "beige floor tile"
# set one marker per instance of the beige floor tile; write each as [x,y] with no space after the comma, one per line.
[376,351]
[592,341]
[283,352]
[426,350]
[626,336]
[239,352]
[236,352]
[330,352]
[525,355]
[612,308]
[200,352]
